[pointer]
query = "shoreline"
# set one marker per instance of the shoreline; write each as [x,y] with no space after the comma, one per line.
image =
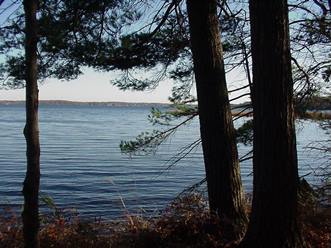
[78,103]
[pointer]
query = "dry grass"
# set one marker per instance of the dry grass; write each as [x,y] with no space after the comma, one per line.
[184,223]
[317,228]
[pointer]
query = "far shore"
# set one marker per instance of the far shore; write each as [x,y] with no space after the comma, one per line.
[81,103]
[240,109]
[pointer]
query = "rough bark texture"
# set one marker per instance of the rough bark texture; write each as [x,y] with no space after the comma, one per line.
[273,221]
[216,126]
[31,130]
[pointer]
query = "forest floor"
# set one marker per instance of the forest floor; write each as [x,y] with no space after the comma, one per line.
[186,222]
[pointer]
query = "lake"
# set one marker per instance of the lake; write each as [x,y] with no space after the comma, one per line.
[83,168]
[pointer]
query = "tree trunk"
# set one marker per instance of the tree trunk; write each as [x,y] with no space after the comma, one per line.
[216,126]
[273,221]
[31,131]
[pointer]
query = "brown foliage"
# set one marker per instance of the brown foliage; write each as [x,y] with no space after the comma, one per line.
[186,222]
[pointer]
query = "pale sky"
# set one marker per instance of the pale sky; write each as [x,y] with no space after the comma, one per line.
[96,87]
[92,86]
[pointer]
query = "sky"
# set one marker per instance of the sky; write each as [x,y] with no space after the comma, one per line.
[91,87]
[96,87]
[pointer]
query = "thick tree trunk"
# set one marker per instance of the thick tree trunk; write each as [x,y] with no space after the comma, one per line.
[216,126]
[31,131]
[273,220]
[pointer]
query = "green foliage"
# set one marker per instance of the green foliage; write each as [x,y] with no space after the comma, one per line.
[159,117]
[148,142]
[129,82]
[184,110]
[48,201]
[181,92]
[310,46]
[72,34]
[244,134]
[144,143]
[317,30]
[326,74]
[143,50]
[13,66]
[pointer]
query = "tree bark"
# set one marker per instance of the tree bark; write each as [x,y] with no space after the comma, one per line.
[216,125]
[273,221]
[30,213]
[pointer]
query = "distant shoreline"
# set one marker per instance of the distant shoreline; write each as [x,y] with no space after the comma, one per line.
[78,103]
[239,106]
[323,113]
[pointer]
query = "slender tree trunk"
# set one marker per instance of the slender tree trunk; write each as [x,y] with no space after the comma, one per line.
[273,221]
[216,126]
[31,131]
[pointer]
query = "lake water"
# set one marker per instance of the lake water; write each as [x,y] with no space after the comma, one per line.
[82,166]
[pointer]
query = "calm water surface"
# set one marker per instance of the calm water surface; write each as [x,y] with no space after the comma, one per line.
[83,168]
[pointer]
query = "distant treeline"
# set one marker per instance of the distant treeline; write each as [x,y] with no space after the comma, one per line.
[314,103]
[76,103]
[311,103]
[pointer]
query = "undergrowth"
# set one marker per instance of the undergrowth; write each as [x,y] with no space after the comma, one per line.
[186,222]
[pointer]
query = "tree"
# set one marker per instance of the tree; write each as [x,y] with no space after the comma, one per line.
[90,38]
[273,221]
[106,53]
[217,131]
[31,130]
[90,32]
